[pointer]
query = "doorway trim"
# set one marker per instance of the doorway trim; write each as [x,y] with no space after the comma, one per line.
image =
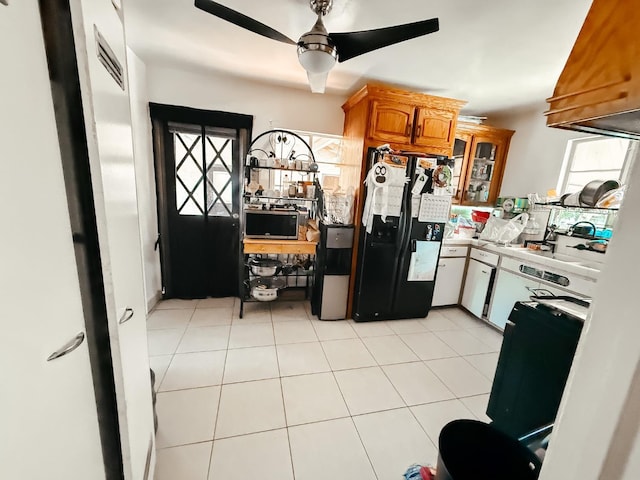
[57,27]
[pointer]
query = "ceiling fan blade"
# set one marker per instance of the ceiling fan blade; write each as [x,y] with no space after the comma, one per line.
[317,81]
[241,20]
[352,44]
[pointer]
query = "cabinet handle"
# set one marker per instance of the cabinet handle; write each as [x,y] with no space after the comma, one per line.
[442,265]
[407,132]
[126,316]
[620,96]
[419,130]
[485,272]
[68,347]
[626,79]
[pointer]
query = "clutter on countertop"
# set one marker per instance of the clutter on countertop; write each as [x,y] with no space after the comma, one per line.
[504,231]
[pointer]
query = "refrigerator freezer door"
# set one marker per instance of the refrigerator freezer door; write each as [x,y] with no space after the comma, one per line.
[377,265]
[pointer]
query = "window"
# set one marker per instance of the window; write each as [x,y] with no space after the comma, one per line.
[333,172]
[203,178]
[596,158]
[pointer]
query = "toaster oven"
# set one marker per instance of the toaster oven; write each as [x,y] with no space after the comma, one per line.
[271,224]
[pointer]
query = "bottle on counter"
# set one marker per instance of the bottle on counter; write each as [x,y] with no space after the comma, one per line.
[285,185]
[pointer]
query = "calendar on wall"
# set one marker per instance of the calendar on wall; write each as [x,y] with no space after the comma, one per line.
[434,208]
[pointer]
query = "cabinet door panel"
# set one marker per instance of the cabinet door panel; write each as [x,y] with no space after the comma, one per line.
[509,289]
[476,287]
[435,128]
[461,153]
[484,170]
[391,122]
[448,281]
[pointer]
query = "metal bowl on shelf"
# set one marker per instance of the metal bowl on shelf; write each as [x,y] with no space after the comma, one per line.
[265,267]
[265,289]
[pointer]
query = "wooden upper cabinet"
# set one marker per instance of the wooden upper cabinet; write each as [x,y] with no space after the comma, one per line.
[481,156]
[391,122]
[599,87]
[435,127]
[406,120]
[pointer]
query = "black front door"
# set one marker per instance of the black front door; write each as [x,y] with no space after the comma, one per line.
[198,171]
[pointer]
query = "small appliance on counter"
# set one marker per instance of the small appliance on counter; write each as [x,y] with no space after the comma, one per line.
[275,224]
[509,207]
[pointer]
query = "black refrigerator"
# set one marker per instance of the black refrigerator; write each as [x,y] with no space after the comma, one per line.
[398,256]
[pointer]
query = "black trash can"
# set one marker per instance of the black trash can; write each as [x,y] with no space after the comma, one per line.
[473,450]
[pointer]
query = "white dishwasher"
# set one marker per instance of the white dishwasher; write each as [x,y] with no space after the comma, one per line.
[510,288]
[479,282]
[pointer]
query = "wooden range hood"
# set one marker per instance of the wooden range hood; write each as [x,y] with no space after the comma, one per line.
[599,88]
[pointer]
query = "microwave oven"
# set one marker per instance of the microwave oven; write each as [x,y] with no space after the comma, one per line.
[271,224]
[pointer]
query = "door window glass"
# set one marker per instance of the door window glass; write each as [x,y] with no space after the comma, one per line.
[189,180]
[219,155]
[203,185]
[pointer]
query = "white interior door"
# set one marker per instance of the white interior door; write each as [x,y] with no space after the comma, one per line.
[48,415]
[108,120]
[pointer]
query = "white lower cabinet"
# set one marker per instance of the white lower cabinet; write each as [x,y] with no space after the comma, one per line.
[448,281]
[509,289]
[476,287]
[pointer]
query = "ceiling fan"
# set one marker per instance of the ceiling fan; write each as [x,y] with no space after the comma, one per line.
[319,50]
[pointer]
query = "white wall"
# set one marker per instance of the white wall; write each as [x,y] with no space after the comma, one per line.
[596,432]
[285,107]
[536,152]
[145,177]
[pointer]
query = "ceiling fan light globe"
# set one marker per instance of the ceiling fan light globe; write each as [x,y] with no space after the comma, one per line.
[316,61]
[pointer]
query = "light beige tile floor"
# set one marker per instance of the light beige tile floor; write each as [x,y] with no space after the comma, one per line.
[304,399]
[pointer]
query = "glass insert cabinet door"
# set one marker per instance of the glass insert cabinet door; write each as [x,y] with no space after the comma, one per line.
[482,170]
[461,150]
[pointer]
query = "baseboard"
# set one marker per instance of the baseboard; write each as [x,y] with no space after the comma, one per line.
[154,300]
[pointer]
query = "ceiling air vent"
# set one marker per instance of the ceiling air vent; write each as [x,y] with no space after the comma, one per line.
[108,58]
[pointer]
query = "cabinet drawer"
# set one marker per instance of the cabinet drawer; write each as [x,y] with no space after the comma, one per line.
[485,257]
[453,251]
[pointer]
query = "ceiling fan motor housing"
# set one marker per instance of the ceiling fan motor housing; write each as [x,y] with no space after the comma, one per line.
[316,51]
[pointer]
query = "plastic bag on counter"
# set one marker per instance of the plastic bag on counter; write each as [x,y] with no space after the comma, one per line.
[337,207]
[504,231]
[612,199]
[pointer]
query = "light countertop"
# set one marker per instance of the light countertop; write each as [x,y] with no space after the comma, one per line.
[545,259]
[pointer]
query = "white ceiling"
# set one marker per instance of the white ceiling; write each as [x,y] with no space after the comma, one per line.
[496,54]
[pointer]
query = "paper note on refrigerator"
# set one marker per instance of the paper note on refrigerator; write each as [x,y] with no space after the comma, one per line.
[434,208]
[422,267]
[388,203]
